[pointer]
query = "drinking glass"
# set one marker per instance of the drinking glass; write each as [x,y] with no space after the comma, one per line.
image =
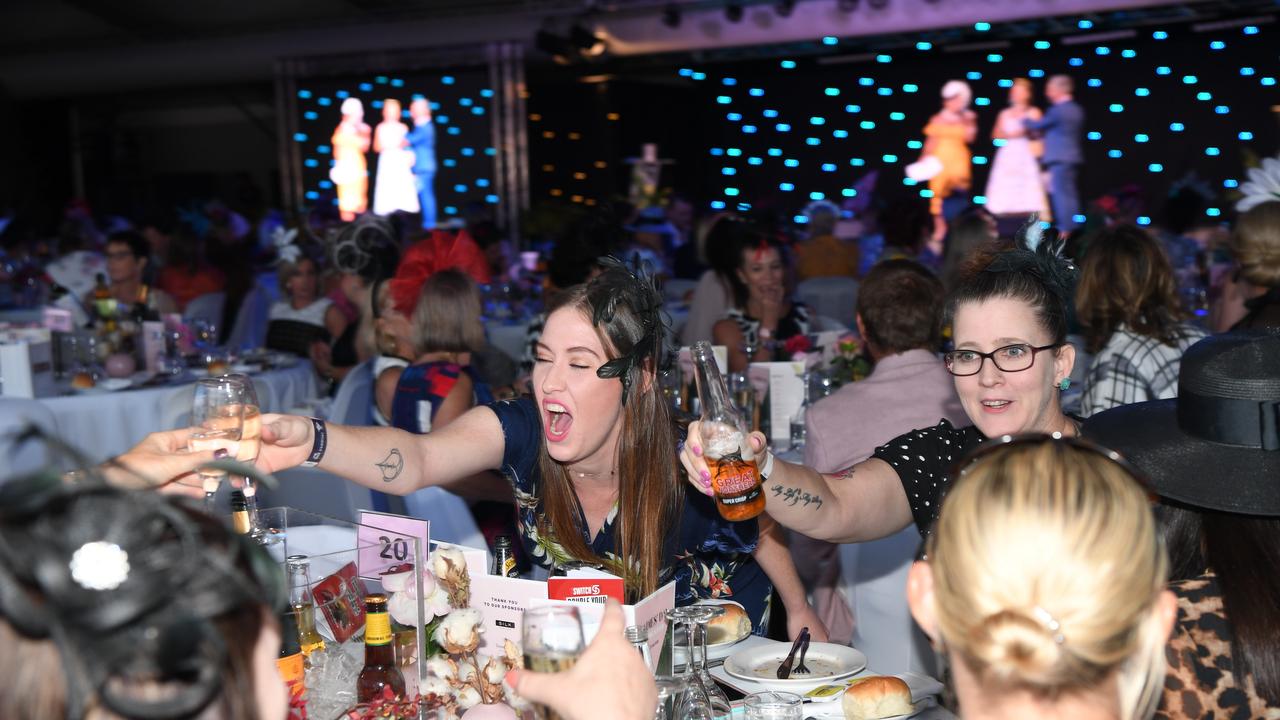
[250,444]
[217,414]
[797,431]
[773,706]
[702,614]
[673,700]
[696,704]
[552,640]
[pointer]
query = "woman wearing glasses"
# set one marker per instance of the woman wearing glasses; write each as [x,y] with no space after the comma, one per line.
[1010,362]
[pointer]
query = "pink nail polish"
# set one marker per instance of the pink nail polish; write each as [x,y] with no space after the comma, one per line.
[697,451]
[706,477]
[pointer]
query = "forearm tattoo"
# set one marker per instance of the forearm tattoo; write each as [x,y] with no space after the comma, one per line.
[794,496]
[391,466]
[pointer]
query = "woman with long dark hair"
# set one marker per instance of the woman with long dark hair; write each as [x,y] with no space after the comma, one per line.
[763,316]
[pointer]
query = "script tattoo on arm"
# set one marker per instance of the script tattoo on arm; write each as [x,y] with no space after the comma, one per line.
[794,496]
[391,466]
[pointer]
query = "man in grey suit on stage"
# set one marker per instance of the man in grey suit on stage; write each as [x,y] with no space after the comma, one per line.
[1061,128]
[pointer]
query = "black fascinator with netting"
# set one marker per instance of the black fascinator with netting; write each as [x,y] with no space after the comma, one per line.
[1037,250]
[626,300]
[366,247]
[128,585]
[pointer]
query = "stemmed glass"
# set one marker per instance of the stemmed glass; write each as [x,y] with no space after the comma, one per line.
[250,444]
[697,704]
[702,615]
[552,641]
[217,413]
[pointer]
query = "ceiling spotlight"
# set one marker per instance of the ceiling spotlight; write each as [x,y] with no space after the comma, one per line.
[847,5]
[733,12]
[784,7]
[671,16]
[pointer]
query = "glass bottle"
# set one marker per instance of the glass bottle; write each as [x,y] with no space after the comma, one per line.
[380,670]
[504,558]
[735,479]
[239,512]
[639,640]
[103,303]
[290,662]
[300,600]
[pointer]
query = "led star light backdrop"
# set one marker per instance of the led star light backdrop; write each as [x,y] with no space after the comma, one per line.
[461,108]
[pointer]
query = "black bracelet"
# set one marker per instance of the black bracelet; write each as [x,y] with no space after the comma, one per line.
[319,443]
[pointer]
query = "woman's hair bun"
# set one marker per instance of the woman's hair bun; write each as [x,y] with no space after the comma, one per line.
[1018,648]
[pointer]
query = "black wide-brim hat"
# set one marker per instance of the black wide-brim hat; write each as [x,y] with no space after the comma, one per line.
[1217,446]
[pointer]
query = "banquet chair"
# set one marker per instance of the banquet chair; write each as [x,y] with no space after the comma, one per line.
[19,458]
[206,307]
[675,289]
[835,297]
[250,328]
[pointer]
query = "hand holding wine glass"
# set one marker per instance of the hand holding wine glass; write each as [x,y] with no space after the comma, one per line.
[217,416]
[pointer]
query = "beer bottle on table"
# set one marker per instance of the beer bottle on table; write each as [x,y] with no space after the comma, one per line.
[735,480]
[300,601]
[380,669]
[290,662]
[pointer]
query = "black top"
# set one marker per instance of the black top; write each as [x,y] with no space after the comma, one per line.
[924,460]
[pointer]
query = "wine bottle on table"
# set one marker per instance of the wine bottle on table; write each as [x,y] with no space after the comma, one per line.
[735,479]
[380,669]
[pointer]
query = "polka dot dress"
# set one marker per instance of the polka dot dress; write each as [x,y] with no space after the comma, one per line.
[923,460]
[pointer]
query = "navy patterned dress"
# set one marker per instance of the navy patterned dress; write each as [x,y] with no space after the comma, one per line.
[706,555]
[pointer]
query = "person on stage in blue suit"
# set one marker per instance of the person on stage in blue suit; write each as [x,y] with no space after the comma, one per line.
[422,138]
[1061,128]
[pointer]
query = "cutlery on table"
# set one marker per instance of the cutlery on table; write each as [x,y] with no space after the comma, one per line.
[784,670]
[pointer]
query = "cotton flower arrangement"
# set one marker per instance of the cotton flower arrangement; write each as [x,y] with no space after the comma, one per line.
[452,633]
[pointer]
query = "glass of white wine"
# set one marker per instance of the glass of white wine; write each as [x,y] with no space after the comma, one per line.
[250,444]
[552,640]
[217,415]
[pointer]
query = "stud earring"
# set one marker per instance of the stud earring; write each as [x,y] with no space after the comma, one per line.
[1066,383]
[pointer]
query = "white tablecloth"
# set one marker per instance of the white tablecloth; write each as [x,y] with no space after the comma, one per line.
[106,424]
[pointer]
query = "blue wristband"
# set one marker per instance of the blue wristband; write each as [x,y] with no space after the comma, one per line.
[319,443]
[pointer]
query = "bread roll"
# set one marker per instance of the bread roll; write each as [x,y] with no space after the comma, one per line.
[732,626]
[82,381]
[880,696]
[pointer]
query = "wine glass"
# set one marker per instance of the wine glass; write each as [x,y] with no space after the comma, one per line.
[217,414]
[250,445]
[701,615]
[552,640]
[697,704]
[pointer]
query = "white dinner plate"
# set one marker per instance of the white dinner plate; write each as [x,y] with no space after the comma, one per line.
[826,662]
[106,385]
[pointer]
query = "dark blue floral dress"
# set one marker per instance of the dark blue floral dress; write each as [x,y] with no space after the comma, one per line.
[706,555]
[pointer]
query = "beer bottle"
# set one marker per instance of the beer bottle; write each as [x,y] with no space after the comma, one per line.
[239,512]
[301,603]
[290,661]
[735,480]
[380,670]
[104,305]
[504,558]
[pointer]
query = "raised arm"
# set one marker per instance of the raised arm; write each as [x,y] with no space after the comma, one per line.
[1044,123]
[774,557]
[865,502]
[387,459]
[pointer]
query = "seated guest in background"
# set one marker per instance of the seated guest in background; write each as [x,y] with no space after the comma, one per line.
[186,275]
[651,240]
[858,588]
[302,317]
[125,604]
[127,252]
[1044,584]
[1251,297]
[906,224]
[394,337]
[719,239]
[1127,302]
[764,317]
[1215,463]
[364,252]
[440,385]
[969,235]
[823,254]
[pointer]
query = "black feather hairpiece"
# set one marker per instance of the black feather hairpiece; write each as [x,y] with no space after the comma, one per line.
[634,285]
[1039,253]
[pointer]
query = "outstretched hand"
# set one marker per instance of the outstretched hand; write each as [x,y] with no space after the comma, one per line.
[161,461]
[695,465]
[286,442]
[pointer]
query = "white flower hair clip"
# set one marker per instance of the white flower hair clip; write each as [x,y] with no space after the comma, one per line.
[1263,185]
[100,565]
[286,249]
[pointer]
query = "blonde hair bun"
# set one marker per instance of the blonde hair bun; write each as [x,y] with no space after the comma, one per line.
[1015,646]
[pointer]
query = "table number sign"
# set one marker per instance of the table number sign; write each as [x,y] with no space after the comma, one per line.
[383,541]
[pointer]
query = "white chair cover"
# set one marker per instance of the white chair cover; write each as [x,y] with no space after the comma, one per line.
[353,403]
[676,288]
[835,297]
[250,329]
[207,307]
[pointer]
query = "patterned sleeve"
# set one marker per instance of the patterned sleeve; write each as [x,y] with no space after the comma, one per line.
[1112,381]
[521,428]
[923,460]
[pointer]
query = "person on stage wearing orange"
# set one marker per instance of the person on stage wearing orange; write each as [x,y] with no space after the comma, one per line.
[948,135]
[350,172]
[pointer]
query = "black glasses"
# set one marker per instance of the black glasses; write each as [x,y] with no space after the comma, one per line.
[1010,358]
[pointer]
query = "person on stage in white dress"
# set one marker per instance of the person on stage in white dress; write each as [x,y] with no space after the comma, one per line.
[1015,186]
[395,189]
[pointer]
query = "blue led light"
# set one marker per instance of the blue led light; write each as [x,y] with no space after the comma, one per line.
[889,158]
[914,144]
[1005,83]
[1230,183]
[326,102]
[1217,45]
[926,193]
[1268,81]
[1128,54]
[994,57]
[1212,212]
[973,75]
[460,188]
[717,205]
[979,159]
[830,40]
[1102,50]
[853,108]
[828,167]
[684,72]
[775,152]
[477,110]
[1177,127]
[866,81]
[1250,29]
[304,94]
[1141,137]
[982,101]
[1164,70]
[1222,109]
[448,79]
[733,117]
[800,219]
[717,152]
[857,162]
[1144,220]
[1246,71]
[849,192]
[1095,82]
[724,99]
[867,125]
[728,171]
[313,195]
[699,76]
[1094,135]
[455,130]
[1189,80]
[1116,107]
[924,45]
[366,87]
[1036,73]
[729,82]
[841,134]
[909,182]
[786,187]
[299,137]
[755,92]
[749,129]
[1212,151]
[788,64]
[310,115]
[482,183]
[817,196]
[466,102]
[1155,167]
[311,162]
[897,116]
[770,113]
[1042,44]
[731,191]
[1084,24]
[1141,92]
[812,141]
[755,161]
[817,120]
[884,91]
[486,93]
[342,94]
[782,127]
[791,162]
[831,92]
[910,88]
[979,199]
[1159,35]
[468,152]
[491,199]
[1114,154]
[982,26]
[323,149]
[1204,96]
[1075,62]
[1245,135]
[734,152]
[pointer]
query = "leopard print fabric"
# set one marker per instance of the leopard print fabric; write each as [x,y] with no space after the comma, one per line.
[1200,682]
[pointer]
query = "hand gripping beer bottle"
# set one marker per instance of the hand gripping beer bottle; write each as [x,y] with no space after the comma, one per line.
[735,480]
